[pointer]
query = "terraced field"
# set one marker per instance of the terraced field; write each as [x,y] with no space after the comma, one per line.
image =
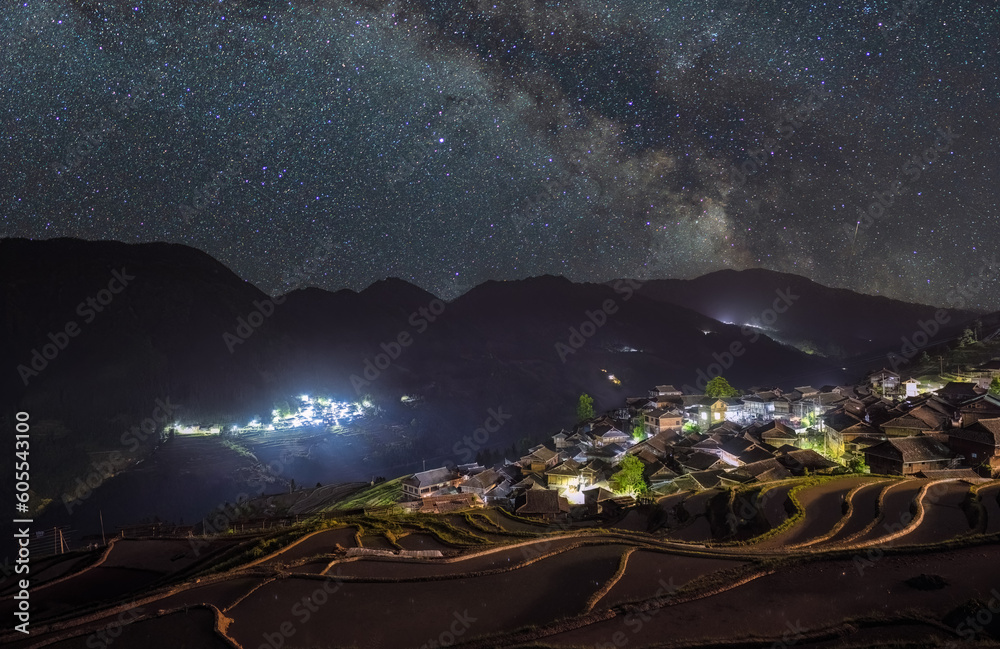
[826,579]
[864,511]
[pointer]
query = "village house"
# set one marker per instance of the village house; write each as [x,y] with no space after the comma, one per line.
[482,483]
[979,443]
[599,500]
[605,434]
[957,392]
[565,475]
[666,391]
[763,470]
[984,374]
[430,483]
[713,410]
[885,380]
[610,453]
[544,503]
[661,419]
[908,456]
[760,406]
[985,406]
[539,459]
[909,425]
[802,461]
[695,461]
[661,445]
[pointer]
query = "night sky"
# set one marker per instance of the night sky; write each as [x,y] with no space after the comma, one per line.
[336,143]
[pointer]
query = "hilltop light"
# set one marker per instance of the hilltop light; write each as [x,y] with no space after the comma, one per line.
[305,398]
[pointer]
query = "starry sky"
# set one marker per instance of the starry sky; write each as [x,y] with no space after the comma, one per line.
[332,143]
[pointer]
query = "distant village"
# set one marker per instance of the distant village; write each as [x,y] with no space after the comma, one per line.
[667,441]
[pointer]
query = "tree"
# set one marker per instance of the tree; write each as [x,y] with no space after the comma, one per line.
[638,432]
[284,410]
[968,337]
[857,464]
[995,386]
[585,409]
[719,387]
[629,478]
[691,427]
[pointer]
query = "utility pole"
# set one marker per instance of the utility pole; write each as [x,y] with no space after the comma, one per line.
[941,361]
[101,514]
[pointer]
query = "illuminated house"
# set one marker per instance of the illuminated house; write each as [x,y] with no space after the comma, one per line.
[661,445]
[665,391]
[604,434]
[712,411]
[985,373]
[661,419]
[760,406]
[566,475]
[539,459]
[430,483]
[885,379]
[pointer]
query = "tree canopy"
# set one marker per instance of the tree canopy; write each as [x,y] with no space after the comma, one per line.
[719,387]
[995,386]
[585,409]
[629,478]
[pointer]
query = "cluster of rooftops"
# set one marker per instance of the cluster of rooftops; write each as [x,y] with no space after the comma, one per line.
[695,442]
